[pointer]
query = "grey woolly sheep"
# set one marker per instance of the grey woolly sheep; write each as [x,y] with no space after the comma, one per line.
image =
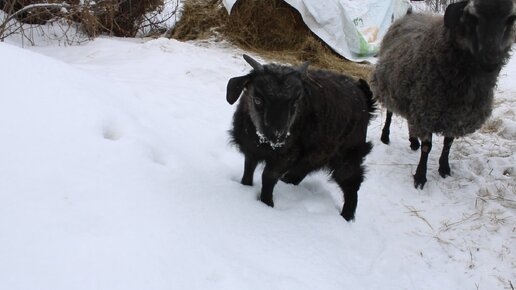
[298,121]
[439,72]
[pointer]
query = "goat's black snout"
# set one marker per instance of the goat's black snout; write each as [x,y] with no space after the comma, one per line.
[276,121]
[275,135]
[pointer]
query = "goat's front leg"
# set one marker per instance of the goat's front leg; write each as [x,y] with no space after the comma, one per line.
[444,166]
[420,176]
[270,176]
[249,167]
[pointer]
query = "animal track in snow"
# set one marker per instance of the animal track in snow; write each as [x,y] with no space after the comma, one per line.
[157,157]
[111,131]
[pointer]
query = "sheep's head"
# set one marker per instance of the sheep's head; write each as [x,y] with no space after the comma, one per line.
[272,95]
[485,28]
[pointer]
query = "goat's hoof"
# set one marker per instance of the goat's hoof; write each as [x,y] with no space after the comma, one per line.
[419,181]
[348,215]
[291,178]
[247,182]
[385,138]
[414,144]
[267,201]
[444,170]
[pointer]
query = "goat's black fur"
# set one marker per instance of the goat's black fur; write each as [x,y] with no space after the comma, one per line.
[326,129]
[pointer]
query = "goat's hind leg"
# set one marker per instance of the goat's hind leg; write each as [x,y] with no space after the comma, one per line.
[386,128]
[348,173]
[444,166]
[349,178]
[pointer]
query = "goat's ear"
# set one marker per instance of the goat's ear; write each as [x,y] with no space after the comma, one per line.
[303,68]
[453,14]
[235,87]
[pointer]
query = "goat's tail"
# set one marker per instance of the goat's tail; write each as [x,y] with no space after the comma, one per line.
[371,103]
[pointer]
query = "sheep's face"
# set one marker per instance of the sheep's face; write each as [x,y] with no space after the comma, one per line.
[272,96]
[273,100]
[485,28]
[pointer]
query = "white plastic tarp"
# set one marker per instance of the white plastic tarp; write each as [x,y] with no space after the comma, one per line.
[353,28]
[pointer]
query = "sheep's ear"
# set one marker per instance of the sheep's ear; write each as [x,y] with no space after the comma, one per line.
[235,87]
[256,65]
[453,14]
[303,68]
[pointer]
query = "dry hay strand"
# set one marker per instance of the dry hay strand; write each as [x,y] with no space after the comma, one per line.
[270,28]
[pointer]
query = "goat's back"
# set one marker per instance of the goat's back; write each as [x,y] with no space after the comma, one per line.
[339,105]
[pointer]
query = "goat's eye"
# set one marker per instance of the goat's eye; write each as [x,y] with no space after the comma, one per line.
[511,20]
[258,101]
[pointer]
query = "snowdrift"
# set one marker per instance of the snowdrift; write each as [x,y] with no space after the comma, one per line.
[116,173]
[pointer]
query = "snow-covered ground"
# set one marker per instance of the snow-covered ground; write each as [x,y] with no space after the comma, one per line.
[116,173]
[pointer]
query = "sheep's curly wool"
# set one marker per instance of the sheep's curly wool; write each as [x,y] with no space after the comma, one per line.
[439,73]
[438,88]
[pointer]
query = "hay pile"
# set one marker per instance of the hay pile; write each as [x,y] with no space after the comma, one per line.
[270,28]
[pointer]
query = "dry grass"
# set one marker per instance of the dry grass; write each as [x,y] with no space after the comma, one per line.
[270,28]
[121,19]
[118,17]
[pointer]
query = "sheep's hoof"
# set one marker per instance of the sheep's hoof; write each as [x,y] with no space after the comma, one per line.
[419,181]
[291,178]
[414,143]
[348,214]
[444,170]
[267,201]
[385,137]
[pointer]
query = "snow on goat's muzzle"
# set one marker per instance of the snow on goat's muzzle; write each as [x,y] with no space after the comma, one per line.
[275,139]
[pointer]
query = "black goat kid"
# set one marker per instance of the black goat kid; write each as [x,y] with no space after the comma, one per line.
[298,121]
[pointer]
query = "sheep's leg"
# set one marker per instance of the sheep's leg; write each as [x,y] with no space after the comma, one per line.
[444,166]
[270,176]
[249,167]
[414,142]
[420,176]
[386,128]
[349,177]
